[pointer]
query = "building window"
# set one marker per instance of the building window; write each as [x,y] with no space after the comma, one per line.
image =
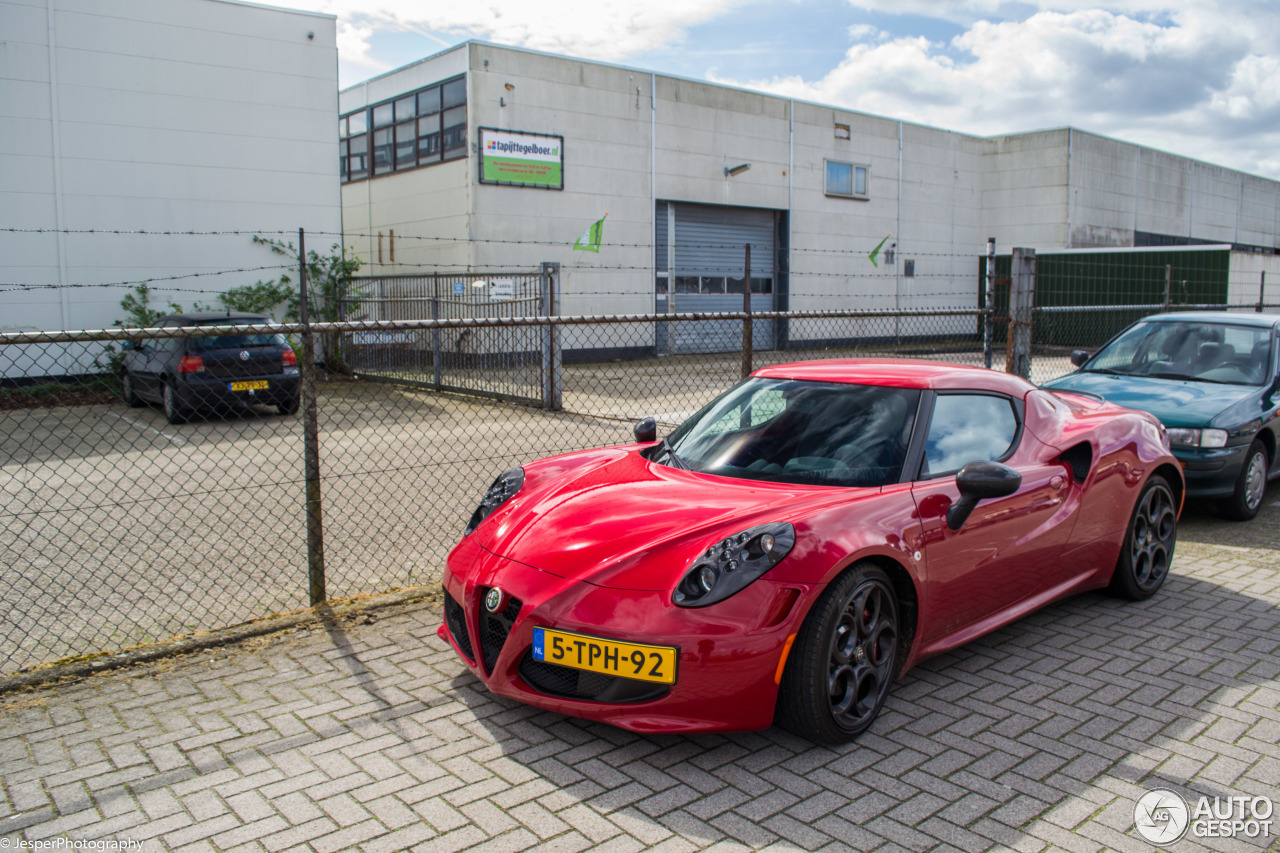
[416,129]
[848,180]
[842,131]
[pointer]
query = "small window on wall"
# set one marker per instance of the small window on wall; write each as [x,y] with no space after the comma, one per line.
[847,180]
[409,131]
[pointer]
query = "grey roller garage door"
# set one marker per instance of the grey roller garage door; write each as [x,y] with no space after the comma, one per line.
[709,246]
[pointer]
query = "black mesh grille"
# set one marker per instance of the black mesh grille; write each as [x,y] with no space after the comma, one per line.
[456,619]
[494,628]
[592,686]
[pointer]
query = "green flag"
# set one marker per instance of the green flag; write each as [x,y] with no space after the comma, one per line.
[589,241]
[876,251]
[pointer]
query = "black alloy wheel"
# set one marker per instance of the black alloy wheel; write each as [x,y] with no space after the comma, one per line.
[843,660]
[1149,542]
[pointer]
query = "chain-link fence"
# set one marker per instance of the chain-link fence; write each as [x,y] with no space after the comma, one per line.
[162,489]
[153,482]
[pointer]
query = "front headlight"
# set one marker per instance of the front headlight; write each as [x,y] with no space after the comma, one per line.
[503,489]
[729,565]
[1184,437]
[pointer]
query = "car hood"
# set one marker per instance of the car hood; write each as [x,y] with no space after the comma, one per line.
[1177,403]
[615,519]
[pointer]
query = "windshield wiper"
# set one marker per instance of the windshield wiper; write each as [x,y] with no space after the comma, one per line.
[1171,375]
[1110,371]
[676,461]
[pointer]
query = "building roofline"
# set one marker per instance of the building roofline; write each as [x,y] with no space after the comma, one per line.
[270,8]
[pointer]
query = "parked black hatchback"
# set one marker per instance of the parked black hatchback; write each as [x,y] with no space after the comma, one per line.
[219,374]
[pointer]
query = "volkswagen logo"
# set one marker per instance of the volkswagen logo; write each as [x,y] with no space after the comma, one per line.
[244,355]
[494,600]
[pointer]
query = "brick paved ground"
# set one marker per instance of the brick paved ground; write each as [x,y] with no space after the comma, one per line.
[368,734]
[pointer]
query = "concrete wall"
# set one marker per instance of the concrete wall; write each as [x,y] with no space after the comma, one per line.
[157,115]
[1117,188]
[1246,282]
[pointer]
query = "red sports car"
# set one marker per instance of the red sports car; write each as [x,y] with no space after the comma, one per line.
[800,542]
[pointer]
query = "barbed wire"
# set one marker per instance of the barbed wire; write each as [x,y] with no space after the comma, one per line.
[11,286]
[372,235]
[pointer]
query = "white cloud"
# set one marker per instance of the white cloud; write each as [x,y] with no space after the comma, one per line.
[1192,83]
[609,30]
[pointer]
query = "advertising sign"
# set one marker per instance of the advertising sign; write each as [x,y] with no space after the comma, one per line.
[517,159]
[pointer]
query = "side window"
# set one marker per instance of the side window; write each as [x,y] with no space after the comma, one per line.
[968,428]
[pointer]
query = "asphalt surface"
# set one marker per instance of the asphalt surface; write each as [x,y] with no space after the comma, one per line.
[368,734]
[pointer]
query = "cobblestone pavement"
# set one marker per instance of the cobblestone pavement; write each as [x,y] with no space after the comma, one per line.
[368,734]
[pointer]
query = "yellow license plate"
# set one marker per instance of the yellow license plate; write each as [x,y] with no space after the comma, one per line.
[610,657]
[255,385]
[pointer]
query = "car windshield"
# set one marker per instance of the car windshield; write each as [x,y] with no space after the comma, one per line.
[791,431]
[233,341]
[1206,352]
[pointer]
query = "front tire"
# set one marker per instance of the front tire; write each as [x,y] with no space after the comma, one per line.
[173,411]
[1148,543]
[1246,500]
[844,659]
[129,392]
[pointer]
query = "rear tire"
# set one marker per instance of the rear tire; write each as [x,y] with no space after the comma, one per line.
[289,408]
[1251,485]
[173,411]
[844,659]
[130,393]
[1149,541]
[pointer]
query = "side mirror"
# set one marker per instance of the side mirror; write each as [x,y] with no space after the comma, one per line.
[980,481]
[645,430]
[1079,357]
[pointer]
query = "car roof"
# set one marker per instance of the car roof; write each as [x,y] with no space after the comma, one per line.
[1237,318]
[900,373]
[207,316]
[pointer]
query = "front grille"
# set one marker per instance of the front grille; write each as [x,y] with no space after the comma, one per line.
[456,619]
[579,684]
[494,628]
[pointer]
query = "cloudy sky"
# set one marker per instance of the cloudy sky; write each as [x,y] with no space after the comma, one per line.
[1196,78]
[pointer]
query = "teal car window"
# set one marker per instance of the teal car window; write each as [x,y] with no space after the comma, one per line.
[1210,352]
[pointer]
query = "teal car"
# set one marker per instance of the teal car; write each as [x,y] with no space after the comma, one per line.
[1213,380]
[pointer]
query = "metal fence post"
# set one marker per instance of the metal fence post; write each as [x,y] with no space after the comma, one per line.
[747,343]
[1020,302]
[1262,292]
[988,321]
[552,381]
[1168,285]
[310,438]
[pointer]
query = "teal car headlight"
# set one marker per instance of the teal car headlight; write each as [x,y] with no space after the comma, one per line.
[1185,437]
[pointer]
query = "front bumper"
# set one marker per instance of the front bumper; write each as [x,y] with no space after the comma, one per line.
[1211,472]
[728,654]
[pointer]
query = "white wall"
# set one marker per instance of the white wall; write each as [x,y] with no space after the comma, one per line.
[1245,282]
[1117,188]
[158,115]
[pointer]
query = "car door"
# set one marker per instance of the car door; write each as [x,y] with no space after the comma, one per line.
[1005,550]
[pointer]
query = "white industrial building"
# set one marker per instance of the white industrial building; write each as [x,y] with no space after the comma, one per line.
[690,171]
[157,116]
